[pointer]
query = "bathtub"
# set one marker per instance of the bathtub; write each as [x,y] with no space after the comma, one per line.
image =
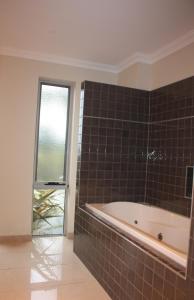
[162,231]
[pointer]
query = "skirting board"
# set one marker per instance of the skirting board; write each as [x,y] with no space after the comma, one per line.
[15,238]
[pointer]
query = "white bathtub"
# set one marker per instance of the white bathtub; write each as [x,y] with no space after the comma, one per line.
[145,223]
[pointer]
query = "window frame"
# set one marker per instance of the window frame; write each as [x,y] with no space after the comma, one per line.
[46,185]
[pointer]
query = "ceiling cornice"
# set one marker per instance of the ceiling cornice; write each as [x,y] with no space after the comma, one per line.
[173,47]
[132,60]
[138,57]
[163,52]
[58,60]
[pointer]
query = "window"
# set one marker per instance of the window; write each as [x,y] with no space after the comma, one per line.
[51,159]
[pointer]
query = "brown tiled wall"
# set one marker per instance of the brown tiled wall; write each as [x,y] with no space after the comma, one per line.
[125,271]
[113,137]
[111,101]
[172,101]
[171,144]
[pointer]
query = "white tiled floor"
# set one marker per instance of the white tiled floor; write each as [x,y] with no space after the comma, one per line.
[45,269]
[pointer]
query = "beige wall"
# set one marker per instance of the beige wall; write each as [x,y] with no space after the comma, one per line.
[172,68]
[18,99]
[129,77]
[138,75]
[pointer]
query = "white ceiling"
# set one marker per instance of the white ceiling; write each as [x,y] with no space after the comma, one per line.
[100,32]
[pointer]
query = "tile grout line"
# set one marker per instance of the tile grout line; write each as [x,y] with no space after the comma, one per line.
[171,120]
[133,121]
[147,150]
[114,119]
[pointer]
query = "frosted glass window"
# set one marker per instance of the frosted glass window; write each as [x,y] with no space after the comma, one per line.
[52,133]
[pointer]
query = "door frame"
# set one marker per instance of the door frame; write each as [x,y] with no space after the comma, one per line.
[66,186]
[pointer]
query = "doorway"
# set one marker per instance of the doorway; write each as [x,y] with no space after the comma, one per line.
[50,185]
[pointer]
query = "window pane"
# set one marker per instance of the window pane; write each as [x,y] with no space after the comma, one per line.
[52,133]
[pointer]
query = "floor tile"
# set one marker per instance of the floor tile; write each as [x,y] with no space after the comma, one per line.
[45,269]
